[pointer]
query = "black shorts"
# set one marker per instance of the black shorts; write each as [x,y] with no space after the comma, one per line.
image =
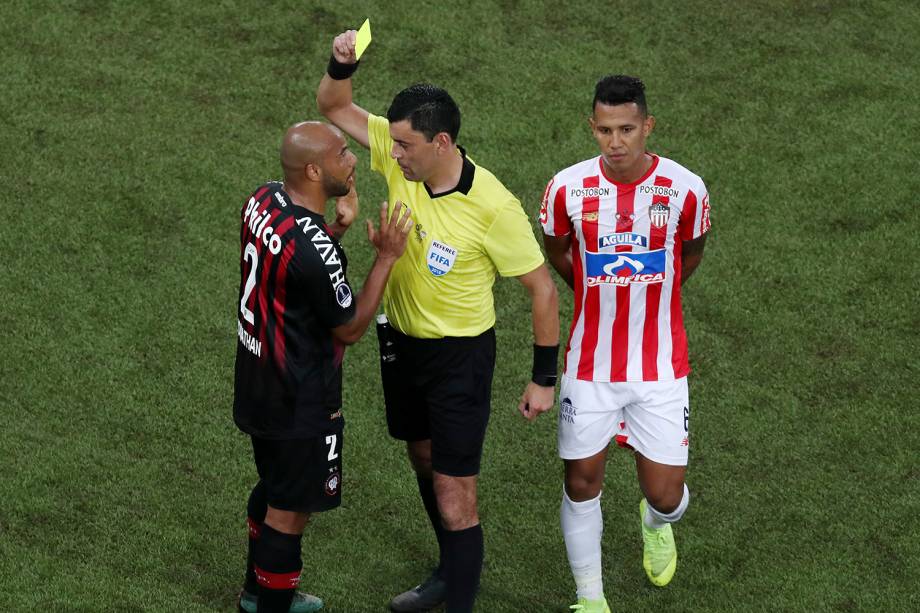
[303,475]
[439,389]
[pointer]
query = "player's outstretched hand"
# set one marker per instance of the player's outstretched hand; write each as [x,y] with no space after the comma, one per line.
[343,47]
[536,399]
[346,207]
[390,240]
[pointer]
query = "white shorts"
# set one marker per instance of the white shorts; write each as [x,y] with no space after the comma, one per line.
[652,417]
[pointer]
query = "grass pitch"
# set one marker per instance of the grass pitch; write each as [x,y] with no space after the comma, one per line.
[131,132]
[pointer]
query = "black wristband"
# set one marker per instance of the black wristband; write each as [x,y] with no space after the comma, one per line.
[339,71]
[544,365]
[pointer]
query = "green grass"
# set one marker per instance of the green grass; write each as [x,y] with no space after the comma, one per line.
[131,132]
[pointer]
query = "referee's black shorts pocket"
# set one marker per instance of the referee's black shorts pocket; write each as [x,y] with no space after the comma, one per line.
[407,417]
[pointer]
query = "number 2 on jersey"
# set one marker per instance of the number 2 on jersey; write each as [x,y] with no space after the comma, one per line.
[249,253]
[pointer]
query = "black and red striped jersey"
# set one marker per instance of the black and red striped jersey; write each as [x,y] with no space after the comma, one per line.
[293,291]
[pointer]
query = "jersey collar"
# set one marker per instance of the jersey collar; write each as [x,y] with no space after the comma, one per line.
[648,173]
[466,178]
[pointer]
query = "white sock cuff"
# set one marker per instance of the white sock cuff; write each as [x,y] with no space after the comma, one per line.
[580,508]
[676,514]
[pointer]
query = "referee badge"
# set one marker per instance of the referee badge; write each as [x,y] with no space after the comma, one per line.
[440,258]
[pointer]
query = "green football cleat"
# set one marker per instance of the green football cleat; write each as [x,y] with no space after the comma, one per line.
[591,606]
[302,603]
[659,553]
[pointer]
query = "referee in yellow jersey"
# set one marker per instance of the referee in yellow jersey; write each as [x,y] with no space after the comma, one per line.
[438,350]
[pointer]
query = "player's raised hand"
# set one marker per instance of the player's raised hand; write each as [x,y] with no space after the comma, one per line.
[536,399]
[390,240]
[343,47]
[346,207]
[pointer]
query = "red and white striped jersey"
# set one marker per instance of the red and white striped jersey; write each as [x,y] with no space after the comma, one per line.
[626,256]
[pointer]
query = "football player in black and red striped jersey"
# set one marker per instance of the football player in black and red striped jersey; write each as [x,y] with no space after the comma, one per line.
[296,313]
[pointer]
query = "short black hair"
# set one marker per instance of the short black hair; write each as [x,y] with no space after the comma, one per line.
[429,109]
[620,89]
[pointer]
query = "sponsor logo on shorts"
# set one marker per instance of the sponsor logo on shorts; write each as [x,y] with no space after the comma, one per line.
[625,267]
[685,442]
[440,258]
[333,482]
[567,411]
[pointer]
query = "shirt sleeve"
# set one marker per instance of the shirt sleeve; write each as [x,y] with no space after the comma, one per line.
[321,276]
[694,216]
[553,214]
[510,243]
[378,136]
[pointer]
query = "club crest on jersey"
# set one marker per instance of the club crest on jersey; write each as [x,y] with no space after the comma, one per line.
[440,258]
[624,268]
[623,238]
[659,213]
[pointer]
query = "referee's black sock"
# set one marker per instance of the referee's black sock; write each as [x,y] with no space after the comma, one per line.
[463,553]
[255,515]
[426,489]
[277,567]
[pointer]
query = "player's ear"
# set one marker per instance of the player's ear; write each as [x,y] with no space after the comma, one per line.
[445,142]
[591,122]
[649,124]
[312,172]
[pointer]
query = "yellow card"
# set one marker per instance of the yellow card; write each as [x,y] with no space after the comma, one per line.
[363,39]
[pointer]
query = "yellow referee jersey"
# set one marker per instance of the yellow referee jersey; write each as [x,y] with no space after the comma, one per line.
[442,284]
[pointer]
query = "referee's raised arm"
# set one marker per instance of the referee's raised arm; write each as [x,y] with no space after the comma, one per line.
[333,96]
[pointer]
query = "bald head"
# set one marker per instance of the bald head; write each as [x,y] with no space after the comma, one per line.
[308,142]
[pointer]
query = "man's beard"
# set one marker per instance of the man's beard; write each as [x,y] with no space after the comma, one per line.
[335,188]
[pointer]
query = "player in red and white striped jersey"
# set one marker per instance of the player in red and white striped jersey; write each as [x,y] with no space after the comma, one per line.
[624,229]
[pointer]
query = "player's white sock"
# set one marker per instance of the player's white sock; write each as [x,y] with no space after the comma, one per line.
[656,519]
[582,526]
